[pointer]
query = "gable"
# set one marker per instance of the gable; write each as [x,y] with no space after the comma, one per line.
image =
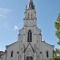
[29,50]
[29,46]
[46,45]
[13,45]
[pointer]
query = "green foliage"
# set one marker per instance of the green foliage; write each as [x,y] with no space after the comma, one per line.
[57,26]
[57,52]
[51,59]
[44,59]
[58,42]
[58,34]
[56,58]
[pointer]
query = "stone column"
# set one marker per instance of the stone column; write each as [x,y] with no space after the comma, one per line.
[22,56]
[34,34]
[34,56]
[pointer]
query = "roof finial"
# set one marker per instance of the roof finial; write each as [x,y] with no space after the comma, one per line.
[30,0]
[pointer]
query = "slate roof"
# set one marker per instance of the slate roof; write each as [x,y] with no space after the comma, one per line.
[48,44]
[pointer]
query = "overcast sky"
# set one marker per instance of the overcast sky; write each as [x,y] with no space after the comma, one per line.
[12,14]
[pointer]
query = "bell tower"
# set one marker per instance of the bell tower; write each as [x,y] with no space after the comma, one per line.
[30,14]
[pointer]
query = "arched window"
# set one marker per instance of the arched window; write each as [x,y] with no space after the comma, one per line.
[29,36]
[47,54]
[11,53]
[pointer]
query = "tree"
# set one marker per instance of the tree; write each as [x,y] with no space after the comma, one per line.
[57,26]
[57,52]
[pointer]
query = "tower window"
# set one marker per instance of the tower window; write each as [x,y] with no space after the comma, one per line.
[11,53]
[29,36]
[28,15]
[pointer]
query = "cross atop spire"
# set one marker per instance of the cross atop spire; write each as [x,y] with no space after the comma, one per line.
[30,5]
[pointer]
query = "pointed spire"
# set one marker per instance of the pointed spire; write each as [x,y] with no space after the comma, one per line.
[30,5]
[30,1]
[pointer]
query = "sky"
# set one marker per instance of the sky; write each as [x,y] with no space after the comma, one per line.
[11,20]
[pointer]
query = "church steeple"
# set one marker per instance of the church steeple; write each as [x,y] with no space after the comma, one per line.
[30,5]
[30,14]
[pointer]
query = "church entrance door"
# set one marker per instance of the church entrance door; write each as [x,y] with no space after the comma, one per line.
[29,58]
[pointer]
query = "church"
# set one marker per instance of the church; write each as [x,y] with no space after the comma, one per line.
[29,45]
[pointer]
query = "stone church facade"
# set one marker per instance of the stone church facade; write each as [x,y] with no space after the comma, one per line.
[29,45]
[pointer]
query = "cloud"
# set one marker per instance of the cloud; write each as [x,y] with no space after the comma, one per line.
[4,12]
[5,25]
[15,27]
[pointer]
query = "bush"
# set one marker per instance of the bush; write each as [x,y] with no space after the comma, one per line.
[51,59]
[56,58]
